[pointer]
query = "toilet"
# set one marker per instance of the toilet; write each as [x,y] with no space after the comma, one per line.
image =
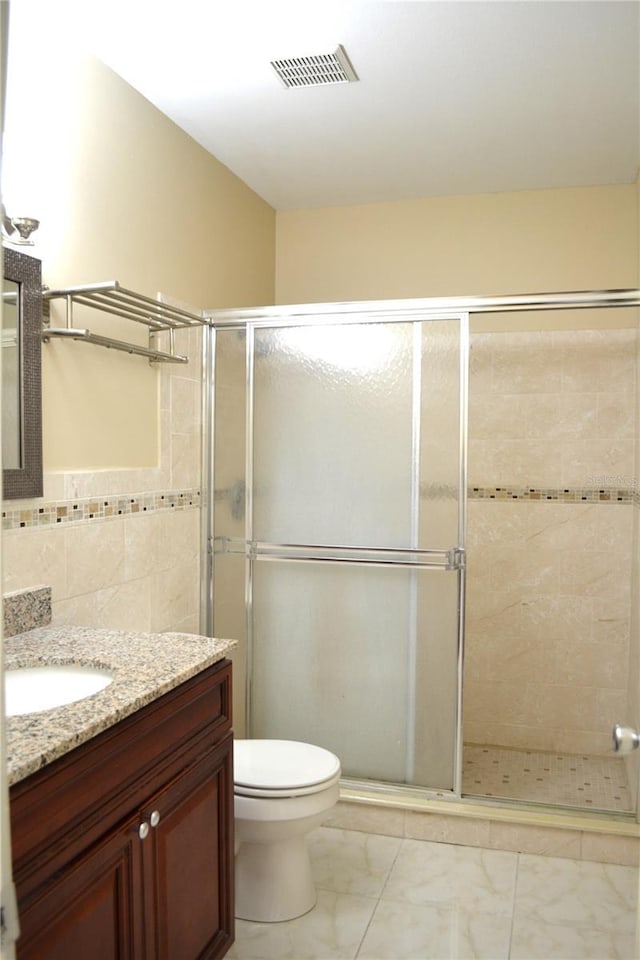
[283,790]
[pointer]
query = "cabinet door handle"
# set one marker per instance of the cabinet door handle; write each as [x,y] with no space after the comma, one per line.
[143,830]
[154,819]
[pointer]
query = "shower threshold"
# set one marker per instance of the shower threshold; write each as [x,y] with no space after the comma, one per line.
[597,783]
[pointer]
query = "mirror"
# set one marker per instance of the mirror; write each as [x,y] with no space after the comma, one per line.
[21,376]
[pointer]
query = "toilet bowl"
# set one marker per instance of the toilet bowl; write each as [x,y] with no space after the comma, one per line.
[283,790]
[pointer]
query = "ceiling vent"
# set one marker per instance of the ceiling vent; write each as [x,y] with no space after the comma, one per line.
[316,70]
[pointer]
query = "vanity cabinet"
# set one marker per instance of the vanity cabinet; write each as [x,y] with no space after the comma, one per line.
[123,848]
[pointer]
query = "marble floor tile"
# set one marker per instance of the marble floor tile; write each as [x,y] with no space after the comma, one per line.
[333,930]
[383,898]
[426,872]
[434,932]
[532,940]
[577,893]
[349,862]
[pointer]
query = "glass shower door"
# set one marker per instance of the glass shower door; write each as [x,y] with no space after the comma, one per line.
[355,541]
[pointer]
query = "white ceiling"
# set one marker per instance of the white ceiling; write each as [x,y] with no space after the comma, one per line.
[453,97]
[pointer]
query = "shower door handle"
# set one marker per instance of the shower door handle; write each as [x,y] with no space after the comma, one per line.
[625,739]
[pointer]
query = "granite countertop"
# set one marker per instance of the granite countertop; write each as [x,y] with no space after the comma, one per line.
[144,666]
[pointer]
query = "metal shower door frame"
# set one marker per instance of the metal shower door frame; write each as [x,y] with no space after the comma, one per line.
[295,314]
[412,558]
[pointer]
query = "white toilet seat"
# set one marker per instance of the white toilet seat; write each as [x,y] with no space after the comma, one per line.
[282,768]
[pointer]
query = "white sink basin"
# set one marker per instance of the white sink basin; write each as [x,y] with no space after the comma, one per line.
[30,689]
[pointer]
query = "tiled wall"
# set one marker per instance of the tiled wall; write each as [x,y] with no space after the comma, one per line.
[121,548]
[549,588]
[632,716]
[552,408]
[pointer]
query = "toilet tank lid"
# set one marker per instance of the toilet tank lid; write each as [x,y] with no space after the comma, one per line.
[282,764]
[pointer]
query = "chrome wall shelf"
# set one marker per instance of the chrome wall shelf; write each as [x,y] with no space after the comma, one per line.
[110,297]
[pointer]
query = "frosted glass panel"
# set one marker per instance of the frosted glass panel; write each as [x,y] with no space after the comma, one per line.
[436,679]
[333,434]
[230,399]
[230,620]
[355,442]
[439,434]
[336,663]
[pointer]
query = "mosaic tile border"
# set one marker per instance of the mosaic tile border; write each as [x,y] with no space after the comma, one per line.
[97,508]
[558,494]
[105,507]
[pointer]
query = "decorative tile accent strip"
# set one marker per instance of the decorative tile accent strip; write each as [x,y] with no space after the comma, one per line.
[26,609]
[561,495]
[97,508]
[102,508]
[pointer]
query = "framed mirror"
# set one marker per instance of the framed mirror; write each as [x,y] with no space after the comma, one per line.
[21,376]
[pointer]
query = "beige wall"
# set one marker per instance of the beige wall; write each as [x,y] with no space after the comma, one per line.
[122,194]
[450,246]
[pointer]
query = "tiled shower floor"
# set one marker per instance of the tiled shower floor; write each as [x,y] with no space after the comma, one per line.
[596,783]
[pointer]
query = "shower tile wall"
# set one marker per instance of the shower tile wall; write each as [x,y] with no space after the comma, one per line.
[549,586]
[632,716]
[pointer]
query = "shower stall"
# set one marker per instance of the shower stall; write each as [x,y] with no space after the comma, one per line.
[414,541]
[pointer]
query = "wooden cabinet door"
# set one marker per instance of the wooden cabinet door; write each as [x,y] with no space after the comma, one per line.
[90,909]
[89,885]
[188,862]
